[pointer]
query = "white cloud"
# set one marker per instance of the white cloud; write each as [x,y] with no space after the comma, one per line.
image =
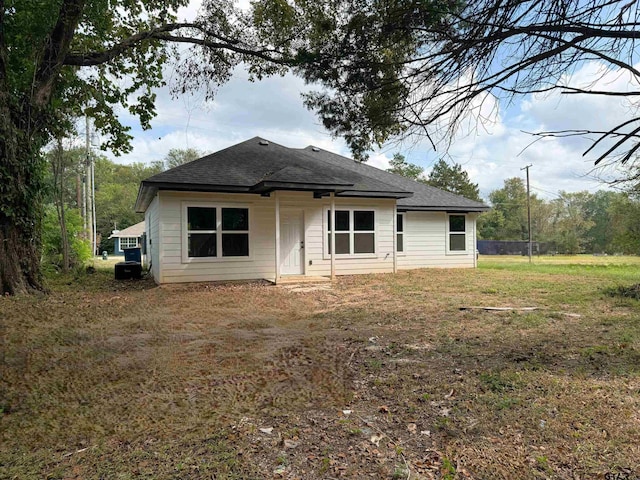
[491,153]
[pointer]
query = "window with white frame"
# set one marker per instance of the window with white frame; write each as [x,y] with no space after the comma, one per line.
[355,232]
[128,242]
[457,233]
[400,232]
[214,232]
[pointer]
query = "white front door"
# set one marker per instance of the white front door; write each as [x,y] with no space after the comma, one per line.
[291,242]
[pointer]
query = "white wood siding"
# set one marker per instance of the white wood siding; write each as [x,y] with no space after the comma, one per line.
[261,263]
[425,235]
[152,227]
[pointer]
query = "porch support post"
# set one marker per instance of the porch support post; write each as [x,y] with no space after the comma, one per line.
[277,259]
[395,239]
[474,216]
[332,226]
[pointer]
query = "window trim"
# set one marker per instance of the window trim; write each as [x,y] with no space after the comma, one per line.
[402,252]
[449,232]
[122,247]
[184,232]
[326,232]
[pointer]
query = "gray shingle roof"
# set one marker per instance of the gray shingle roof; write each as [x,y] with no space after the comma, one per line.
[259,166]
[425,197]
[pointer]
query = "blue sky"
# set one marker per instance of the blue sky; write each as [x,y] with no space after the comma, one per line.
[490,152]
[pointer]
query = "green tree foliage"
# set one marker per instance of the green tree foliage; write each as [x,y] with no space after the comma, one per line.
[116,192]
[62,189]
[579,222]
[363,54]
[452,178]
[570,222]
[52,252]
[508,218]
[180,156]
[599,208]
[624,212]
[400,166]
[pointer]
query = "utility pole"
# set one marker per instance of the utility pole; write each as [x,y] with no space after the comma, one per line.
[94,233]
[88,186]
[528,209]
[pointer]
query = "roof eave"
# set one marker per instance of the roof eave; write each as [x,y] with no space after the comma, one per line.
[146,192]
[431,208]
[270,186]
[374,194]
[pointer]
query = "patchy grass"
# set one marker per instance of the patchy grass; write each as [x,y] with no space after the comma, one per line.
[382,376]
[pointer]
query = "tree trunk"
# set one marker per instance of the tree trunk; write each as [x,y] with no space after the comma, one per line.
[21,179]
[58,167]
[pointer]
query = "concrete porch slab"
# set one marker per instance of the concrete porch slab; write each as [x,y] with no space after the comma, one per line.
[298,279]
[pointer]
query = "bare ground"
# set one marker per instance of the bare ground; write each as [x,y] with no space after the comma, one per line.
[379,376]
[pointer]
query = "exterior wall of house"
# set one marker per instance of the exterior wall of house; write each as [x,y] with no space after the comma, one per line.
[174,267]
[154,243]
[425,242]
[425,238]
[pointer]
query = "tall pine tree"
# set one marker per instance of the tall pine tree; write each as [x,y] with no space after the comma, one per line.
[454,179]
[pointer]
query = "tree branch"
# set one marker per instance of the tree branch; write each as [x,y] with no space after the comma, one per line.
[55,49]
[225,46]
[577,91]
[163,33]
[90,59]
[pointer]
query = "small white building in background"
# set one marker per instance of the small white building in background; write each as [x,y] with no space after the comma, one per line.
[258,210]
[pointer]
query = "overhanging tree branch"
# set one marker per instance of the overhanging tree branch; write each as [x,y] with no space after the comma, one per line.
[55,49]
[163,33]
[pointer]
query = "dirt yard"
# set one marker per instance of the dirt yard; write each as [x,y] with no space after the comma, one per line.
[378,376]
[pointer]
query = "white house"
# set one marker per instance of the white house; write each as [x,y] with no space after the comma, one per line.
[258,210]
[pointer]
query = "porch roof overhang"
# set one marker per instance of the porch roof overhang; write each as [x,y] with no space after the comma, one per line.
[268,186]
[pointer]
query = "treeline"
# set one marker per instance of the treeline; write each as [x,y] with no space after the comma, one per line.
[65,239]
[578,222]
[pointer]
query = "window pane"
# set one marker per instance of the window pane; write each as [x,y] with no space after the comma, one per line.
[457,242]
[342,221]
[363,220]
[400,223]
[128,242]
[200,218]
[342,243]
[235,244]
[363,242]
[456,223]
[202,244]
[235,219]
[400,242]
